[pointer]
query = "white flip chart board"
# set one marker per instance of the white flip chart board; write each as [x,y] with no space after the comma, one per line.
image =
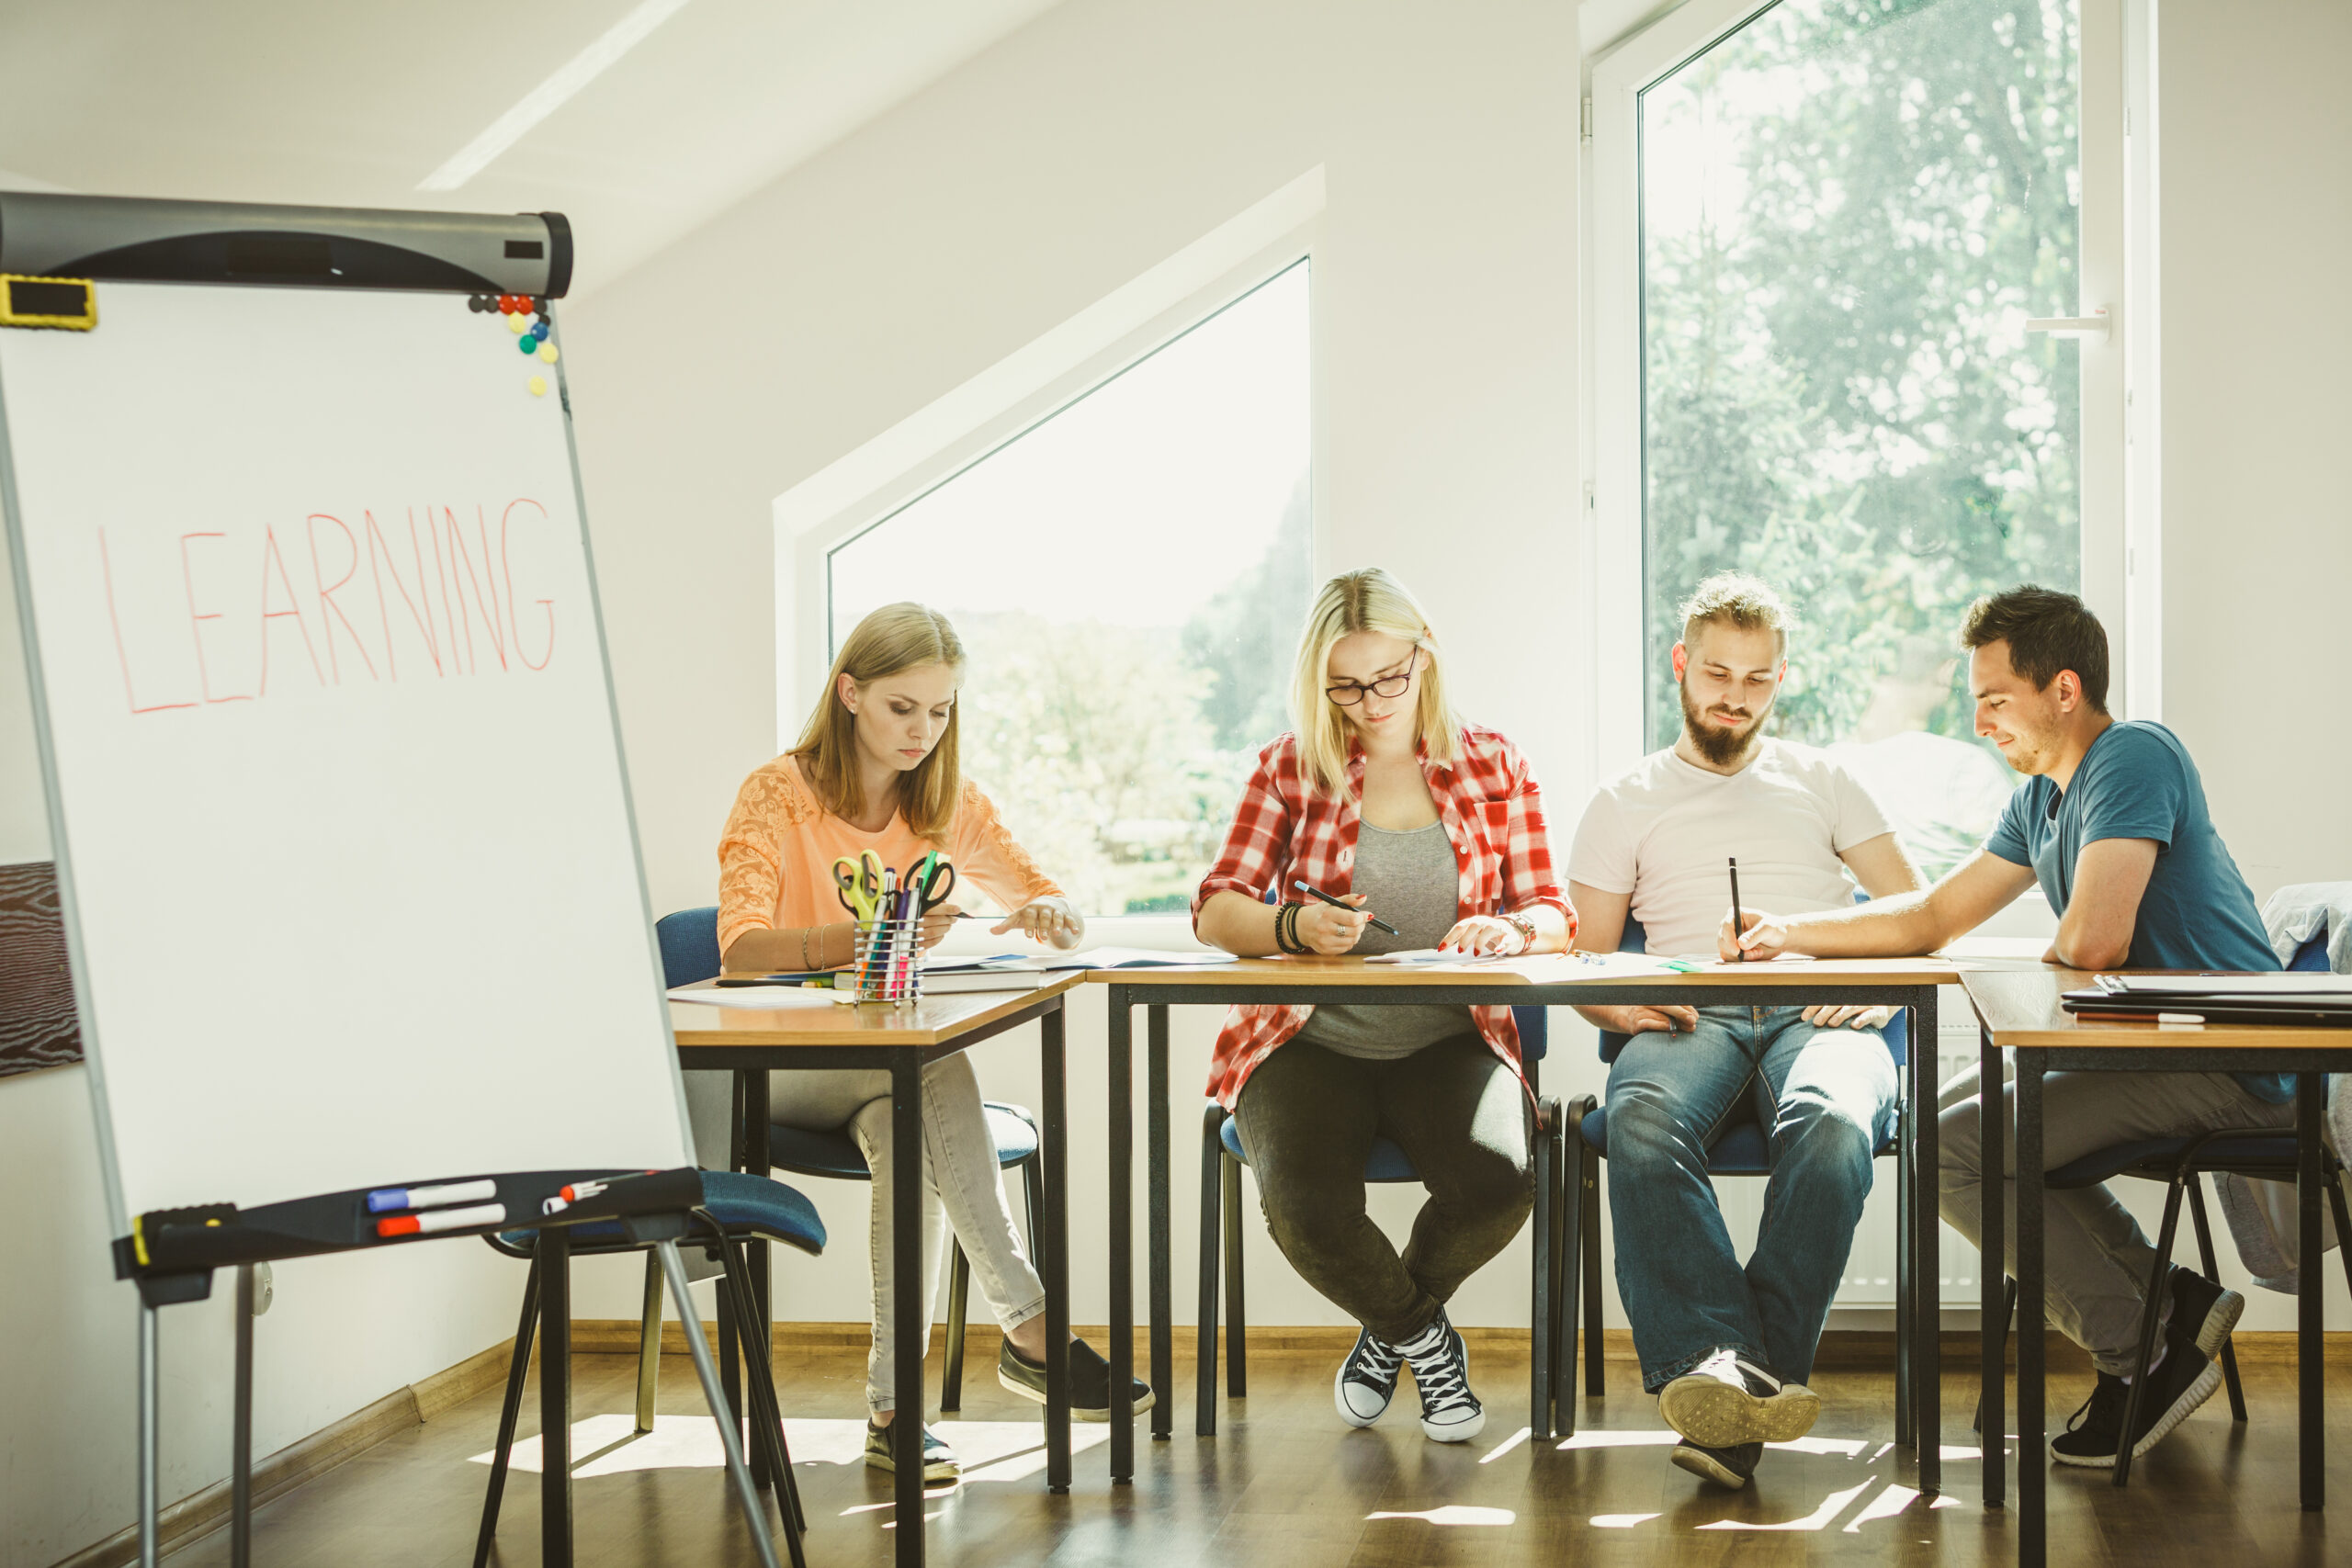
[335,775]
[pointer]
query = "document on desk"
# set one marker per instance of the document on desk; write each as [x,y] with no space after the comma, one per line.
[1711,963]
[1419,955]
[766,998]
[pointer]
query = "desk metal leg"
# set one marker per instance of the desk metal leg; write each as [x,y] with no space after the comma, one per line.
[1927,1242]
[907,1306]
[555,1398]
[1119,1126]
[1163,1306]
[1992,1145]
[241,1429]
[2310,1346]
[2033,1461]
[755,1160]
[150,1378]
[1054,1247]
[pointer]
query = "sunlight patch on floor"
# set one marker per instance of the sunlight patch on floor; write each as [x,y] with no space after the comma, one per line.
[992,1451]
[1455,1514]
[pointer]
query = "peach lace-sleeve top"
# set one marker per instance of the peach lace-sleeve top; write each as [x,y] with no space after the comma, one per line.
[776,858]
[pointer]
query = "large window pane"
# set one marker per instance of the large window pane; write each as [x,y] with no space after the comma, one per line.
[1848,210]
[1128,577]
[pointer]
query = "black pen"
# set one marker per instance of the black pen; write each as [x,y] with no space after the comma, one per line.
[1738,924]
[1308,887]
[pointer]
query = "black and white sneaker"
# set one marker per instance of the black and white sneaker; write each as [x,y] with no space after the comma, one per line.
[939,1461]
[1090,1380]
[1729,1468]
[1450,1412]
[2184,1380]
[1367,1380]
[2202,1312]
[1724,1402]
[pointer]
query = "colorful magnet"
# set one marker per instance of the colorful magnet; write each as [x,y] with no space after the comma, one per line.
[539,386]
[528,343]
[514,320]
[547,352]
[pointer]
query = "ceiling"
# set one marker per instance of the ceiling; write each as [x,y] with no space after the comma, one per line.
[335,103]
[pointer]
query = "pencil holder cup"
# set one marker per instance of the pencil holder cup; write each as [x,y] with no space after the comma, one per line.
[889,960]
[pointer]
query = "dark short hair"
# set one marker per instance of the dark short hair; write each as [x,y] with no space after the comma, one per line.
[2047,631]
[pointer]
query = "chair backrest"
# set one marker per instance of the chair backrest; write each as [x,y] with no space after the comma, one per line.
[689,945]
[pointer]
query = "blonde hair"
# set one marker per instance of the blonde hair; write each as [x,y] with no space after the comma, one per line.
[1748,603]
[893,638]
[1366,601]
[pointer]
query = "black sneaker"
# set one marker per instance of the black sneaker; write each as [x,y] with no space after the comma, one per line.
[2203,1313]
[1367,1380]
[1724,1402]
[939,1461]
[1441,1363]
[1727,1468]
[1090,1380]
[2186,1380]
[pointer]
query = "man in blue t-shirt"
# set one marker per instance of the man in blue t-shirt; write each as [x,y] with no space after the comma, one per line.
[2111,821]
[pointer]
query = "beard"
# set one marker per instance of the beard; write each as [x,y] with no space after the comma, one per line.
[1721,746]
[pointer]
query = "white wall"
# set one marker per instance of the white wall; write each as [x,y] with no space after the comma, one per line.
[1067,161]
[2257,226]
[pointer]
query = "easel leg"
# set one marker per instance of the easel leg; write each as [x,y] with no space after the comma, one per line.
[148,1437]
[730,1437]
[241,1429]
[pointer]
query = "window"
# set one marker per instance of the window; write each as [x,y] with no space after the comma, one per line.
[1128,577]
[1846,213]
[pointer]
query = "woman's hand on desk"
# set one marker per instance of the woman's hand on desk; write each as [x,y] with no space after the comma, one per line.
[1482,935]
[1329,930]
[1047,919]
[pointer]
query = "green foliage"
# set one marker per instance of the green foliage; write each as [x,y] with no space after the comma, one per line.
[1245,636]
[1839,395]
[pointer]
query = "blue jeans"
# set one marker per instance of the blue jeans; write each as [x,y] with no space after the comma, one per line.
[1827,1096]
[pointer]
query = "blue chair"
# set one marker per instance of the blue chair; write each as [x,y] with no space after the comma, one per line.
[736,1209]
[689,941]
[2262,1153]
[1222,1158]
[1743,1149]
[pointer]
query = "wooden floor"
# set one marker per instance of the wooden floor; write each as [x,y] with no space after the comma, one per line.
[1288,1485]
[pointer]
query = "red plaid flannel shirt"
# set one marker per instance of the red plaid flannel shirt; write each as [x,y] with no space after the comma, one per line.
[1493,813]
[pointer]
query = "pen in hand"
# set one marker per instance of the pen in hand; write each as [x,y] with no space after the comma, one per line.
[1313,892]
[1739,921]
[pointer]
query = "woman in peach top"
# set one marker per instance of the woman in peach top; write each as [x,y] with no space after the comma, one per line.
[876,768]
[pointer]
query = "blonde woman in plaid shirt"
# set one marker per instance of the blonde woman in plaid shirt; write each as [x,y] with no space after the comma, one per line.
[1386,798]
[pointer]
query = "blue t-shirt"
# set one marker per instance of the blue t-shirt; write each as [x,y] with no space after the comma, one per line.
[2137,782]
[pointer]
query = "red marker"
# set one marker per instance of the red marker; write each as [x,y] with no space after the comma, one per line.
[442,1220]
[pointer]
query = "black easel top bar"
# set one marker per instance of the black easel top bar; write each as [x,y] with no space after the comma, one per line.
[142,240]
[197,1240]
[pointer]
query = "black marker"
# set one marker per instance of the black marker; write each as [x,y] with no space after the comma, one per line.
[1738,922]
[1309,888]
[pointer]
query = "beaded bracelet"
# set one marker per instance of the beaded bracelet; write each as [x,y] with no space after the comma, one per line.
[1286,928]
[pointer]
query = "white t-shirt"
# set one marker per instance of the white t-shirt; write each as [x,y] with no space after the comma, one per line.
[1665,832]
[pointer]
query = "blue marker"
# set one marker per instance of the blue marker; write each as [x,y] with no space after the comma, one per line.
[385,1200]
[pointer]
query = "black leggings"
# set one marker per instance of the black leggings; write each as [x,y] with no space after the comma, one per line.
[1308,1116]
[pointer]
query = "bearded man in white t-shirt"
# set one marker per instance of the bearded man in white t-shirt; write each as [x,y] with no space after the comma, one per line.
[1726,1349]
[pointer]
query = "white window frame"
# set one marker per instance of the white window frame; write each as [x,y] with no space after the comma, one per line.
[2120,516]
[1019,392]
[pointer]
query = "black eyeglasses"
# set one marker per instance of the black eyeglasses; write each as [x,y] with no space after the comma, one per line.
[1349,692]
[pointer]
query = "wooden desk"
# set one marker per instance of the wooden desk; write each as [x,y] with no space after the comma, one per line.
[2019,1010]
[1554,980]
[750,1041]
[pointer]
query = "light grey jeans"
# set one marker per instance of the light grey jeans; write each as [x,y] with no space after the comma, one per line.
[2094,1257]
[962,1186]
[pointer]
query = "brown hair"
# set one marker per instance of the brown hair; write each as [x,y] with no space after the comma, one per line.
[892,639]
[1748,603]
[2047,632]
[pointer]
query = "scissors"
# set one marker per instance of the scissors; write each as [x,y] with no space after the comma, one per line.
[932,878]
[859,883]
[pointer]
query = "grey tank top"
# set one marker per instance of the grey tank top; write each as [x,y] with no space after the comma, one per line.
[1411,882]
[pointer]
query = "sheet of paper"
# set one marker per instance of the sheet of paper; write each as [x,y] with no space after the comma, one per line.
[1415,955]
[1709,961]
[2268,985]
[767,999]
